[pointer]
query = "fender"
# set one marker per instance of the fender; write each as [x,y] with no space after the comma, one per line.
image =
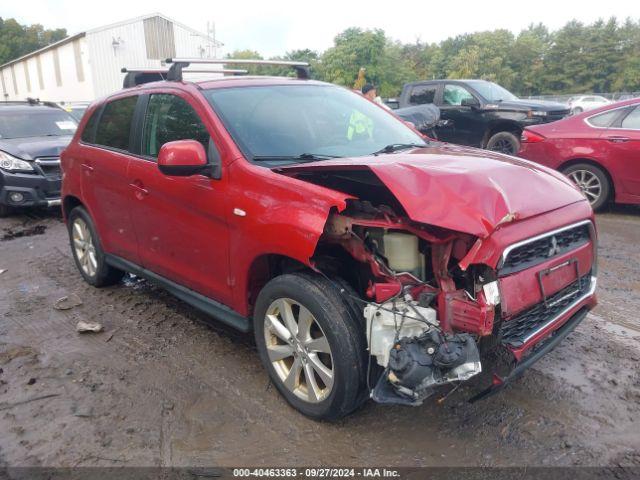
[273,214]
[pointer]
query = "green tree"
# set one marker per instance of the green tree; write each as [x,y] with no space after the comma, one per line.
[17,40]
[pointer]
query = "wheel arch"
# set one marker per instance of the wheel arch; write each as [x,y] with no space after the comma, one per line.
[501,126]
[264,268]
[69,203]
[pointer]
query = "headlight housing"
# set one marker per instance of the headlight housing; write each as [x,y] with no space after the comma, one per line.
[13,164]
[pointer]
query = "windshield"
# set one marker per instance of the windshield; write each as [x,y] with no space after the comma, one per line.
[36,123]
[492,92]
[308,120]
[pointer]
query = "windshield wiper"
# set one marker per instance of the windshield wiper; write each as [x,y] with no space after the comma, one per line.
[396,147]
[303,157]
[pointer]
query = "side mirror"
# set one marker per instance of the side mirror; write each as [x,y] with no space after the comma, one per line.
[183,158]
[470,102]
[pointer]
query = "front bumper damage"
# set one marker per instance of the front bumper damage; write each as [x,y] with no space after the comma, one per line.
[539,351]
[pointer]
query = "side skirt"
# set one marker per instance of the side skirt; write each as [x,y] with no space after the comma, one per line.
[205,304]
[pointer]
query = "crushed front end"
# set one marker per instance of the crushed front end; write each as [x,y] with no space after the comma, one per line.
[438,300]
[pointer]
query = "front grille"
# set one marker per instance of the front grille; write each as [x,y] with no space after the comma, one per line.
[518,330]
[50,167]
[544,248]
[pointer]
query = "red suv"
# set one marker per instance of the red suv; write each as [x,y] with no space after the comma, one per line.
[368,260]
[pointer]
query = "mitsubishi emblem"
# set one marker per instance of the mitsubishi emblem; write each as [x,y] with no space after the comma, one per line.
[555,249]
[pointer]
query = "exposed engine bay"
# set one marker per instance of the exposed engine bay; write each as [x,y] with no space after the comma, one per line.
[406,339]
[425,315]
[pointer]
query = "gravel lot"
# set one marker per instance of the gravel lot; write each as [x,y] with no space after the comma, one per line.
[161,387]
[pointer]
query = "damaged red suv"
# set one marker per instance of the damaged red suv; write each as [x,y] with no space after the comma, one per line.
[370,262]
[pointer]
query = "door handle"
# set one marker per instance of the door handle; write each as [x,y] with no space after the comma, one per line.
[139,189]
[618,139]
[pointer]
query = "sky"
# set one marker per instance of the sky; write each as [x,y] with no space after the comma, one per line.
[273,27]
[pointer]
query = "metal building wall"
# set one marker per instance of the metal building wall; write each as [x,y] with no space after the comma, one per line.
[57,74]
[133,45]
[88,66]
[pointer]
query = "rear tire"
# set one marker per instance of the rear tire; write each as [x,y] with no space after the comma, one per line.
[504,142]
[592,181]
[311,345]
[87,251]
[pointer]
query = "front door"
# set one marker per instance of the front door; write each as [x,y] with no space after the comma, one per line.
[180,221]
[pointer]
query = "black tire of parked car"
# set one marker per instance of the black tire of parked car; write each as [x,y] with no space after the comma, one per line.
[605,190]
[105,274]
[504,142]
[5,211]
[577,110]
[342,329]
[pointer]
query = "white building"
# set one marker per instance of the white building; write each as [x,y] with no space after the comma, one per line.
[87,65]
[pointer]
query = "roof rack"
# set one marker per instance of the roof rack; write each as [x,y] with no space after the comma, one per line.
[178,64]
[139,76]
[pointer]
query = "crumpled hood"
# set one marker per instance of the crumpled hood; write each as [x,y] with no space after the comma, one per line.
[33,147]
[459,188]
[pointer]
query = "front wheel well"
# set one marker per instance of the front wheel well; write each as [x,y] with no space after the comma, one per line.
[69,203]
[510,127]
[266,267]
[576,161]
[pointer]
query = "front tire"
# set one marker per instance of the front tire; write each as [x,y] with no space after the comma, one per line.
[592,181]
[87,251]
[504,142]
[5,210]
[311,345]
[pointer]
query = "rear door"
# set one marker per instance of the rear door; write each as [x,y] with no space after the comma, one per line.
[180,221]
[624,146]
[104,159]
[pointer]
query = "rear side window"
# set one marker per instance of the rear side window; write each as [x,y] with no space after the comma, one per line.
[603,119]
[170,118]
[115,123]
[632,121]
[89,132]
[423,94]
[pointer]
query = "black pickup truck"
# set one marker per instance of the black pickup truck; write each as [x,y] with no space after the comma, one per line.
[479,113]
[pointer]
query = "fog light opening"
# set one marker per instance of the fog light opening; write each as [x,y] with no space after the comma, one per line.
[16,197]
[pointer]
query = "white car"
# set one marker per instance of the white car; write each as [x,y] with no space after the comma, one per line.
[586,102]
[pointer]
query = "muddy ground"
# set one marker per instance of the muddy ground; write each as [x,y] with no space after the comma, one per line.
[160,387]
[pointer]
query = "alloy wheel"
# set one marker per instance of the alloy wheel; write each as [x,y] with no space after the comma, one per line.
[503,146]
[84,248]
[298,350]
[588,182]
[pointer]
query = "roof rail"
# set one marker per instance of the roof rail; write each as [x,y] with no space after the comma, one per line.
[178,64]
[139,76]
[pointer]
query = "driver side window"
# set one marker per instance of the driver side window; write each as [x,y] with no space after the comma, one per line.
[455,94]
[170,118]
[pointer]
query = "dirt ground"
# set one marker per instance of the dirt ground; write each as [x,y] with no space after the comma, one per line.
[160,387]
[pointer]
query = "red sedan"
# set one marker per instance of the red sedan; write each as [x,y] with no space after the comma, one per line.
[598,150]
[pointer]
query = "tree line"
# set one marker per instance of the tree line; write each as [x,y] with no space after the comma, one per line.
[578,58]
[17,40]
